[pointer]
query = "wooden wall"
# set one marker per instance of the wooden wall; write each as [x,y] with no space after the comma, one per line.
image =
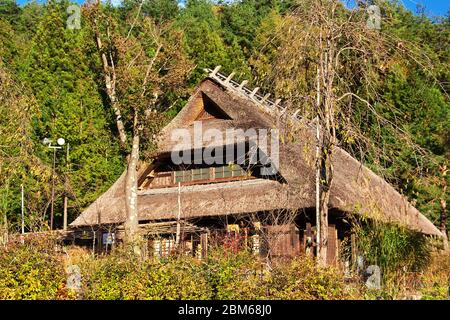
[283,240]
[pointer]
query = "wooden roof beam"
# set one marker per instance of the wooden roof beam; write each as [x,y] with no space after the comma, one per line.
[277,102]
[254,92]
[243,83]
[214,72]
[265,97]
[229,78]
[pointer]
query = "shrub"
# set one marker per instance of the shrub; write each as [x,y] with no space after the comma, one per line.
[235,275]
[301,279]
[224,275]
[32,270]
[120,276]
[244,276]
[35,270]
[177,278]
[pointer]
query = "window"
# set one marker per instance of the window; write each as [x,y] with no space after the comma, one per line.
[179,176]
[192,175]
[171,178]
[200,174]
[229,171]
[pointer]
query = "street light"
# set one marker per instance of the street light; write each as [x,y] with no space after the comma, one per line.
[60,143]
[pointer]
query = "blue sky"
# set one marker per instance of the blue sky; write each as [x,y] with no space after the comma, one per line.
[432,7]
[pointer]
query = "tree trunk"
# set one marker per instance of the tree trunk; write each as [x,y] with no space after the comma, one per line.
[109,75]
[328,141]
[326,178]
[131,206]
[318,170]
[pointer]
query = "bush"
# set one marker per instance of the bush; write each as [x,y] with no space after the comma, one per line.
[224,275]
[35,270]
[244,276]
[235,275]
[31,271]
[301,279]
[126,277]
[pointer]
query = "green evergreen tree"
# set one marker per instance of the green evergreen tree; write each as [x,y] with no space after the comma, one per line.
[160,10]
[58,71]
[204,40]
[241,19]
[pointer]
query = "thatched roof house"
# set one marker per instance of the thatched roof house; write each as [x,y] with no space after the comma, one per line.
[220,103]
[206,194]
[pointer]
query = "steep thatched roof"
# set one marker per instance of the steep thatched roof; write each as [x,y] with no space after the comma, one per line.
[355,187]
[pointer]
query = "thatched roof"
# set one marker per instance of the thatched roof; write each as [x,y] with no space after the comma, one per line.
[355,187]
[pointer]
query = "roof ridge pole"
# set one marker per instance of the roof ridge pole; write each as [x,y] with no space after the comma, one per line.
[243,83]
[254,92]
[214,72]
[228,79]
[277,102]
[265,97]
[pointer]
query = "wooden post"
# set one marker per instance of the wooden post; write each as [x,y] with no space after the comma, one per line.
[204,244]
[99,237]
[93,242]
[295,239]
[332,254]
[177,239]
[65,214]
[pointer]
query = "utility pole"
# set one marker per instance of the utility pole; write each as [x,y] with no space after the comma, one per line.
[48,142]
[52,208]
[65,195]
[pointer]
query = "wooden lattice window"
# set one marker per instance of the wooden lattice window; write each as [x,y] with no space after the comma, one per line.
[192,175]
[195,176]
[229,171]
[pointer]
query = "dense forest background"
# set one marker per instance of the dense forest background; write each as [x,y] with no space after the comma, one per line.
[52,86]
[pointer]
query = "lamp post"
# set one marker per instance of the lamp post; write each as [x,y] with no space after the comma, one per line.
[65,195]
[60,143]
